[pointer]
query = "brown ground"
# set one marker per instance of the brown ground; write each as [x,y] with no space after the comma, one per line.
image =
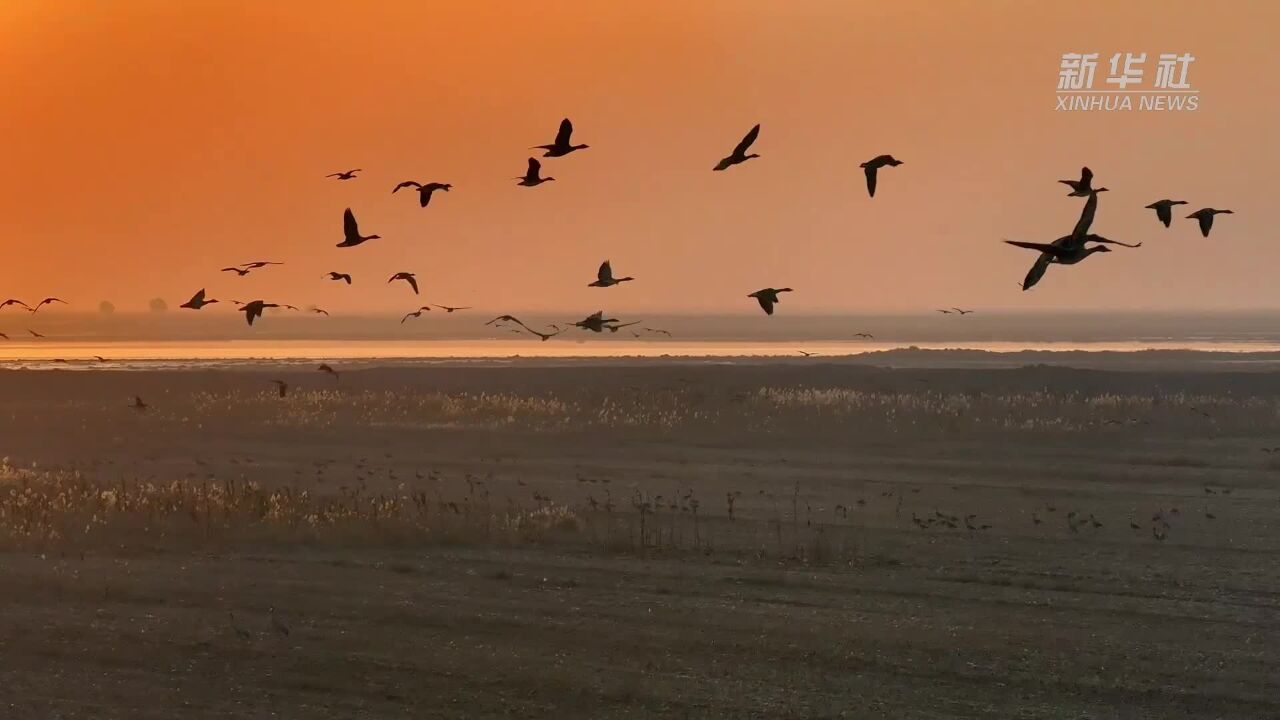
[821,597]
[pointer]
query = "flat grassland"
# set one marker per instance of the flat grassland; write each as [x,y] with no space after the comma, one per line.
[665,540]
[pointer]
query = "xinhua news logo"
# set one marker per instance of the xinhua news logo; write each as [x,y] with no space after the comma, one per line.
[1125,87]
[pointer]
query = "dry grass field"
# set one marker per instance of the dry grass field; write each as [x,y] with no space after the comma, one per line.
[610,541]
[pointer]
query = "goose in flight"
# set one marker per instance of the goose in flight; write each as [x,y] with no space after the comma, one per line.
[1205,217]
[806,354]
[407,277]
[281,386]
[138,404]
[1073,243]
[866,336]
[324,368]
[259,264]
[318,311]
[532,177]
[348,175]
[344,277]
[1164,209]
[739,154]
[874,164]
[52,300]
[351,231]
[237,270]
[605,278]
[768,297]
[13,301]
[595,322]
[944,312]
[424,190]
[1081,187]
[562,146]
[657,331]
[1064,254]
[962,311]
[416,313]
[616,327]
[34,334]
[253,309]
[197,301]
[450,309]
[513,319]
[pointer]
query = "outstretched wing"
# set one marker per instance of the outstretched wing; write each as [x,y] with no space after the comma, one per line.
[766,303]
[534,168]
[1051,250]
[605,273]
[349,226]
[405,184]
[871,179]
[566,130]
[1086,175]
[413,283]
[747,139]
[1206,222]
[1037,271]
[1099,239]
[1086,217]
[1165,213]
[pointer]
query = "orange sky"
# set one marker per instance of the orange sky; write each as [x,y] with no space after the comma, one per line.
[149,143]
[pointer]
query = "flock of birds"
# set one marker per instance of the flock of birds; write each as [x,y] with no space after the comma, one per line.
[1069,249]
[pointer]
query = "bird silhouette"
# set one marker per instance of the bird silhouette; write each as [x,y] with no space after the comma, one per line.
[259,264]
[1081,187]
[197,301]
[13,301]
[407,277]
[237,270]
[2,335]
[324,368]
[605,278]
[618,326]
[739,154]
[945,312]
[867,336]
[318,311]
[138,404]
[595,322]
[657,331]
[806,353]
[768,297]
[282,387]
[1071,247]
[873,165]
[532,177]
[47,301]
[962,312]
[1205,217]
[347,175]
[253,309]
[562,146]
[424,190]
[449,309]
[1164,209]
[34,334]
[345,277]
[351,231]
[415,313]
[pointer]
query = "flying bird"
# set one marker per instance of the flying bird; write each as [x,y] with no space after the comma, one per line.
[962,312]
[345,277]
[450,309]
[258,264]
[739,154]
[867,336]
[516,320]
[1205,218]
[1081,187]
[324,368]
[871,166]
[34,334]
[318,311]
[407,277]
[1164,209]
[351,231]
[197,301]
[424,191]
[13,301]
[562,146]
[253,309]
[768,297]
[237,270]
[616,327]
[605,278]
[595,322]
[281,386]
[806,354]
[415,313]
[52,300]
[532,177]
[6,337]
[944,312]
[348,175]
[657,331]
[1071,247]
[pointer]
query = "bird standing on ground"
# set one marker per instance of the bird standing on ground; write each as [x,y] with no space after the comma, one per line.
[424,190]
[1205,217]
[197,301]
[347,175]
[768,297]
[344,277]
[1081,187]
[739,154]
[351,231]
[407,277]
[562,146]
[871,166]
[532,176]
[1164,209]
[605,278]
[253,309]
